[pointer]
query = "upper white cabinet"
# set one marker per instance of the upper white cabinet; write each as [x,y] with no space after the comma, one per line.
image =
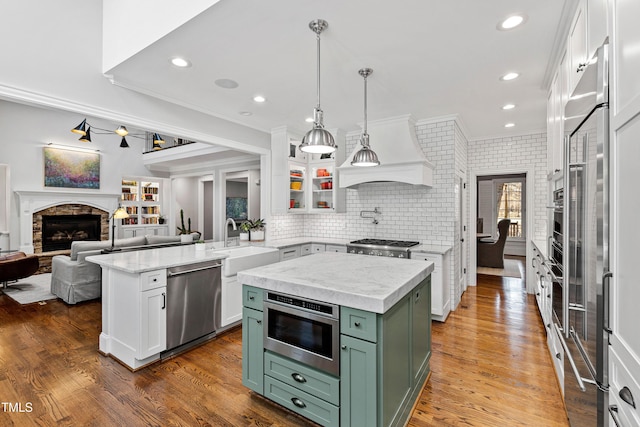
[587,32]
[577,45]
[302,182]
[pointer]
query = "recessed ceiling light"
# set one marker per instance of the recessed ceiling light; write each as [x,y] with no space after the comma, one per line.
[509,125]
[259,98]
[309,120]
[512,22]
[510,76]
[245,113]
[508,106]
[226,83]
[180,62]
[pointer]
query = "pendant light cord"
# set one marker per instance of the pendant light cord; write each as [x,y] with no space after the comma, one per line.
[318,70]
[365,104]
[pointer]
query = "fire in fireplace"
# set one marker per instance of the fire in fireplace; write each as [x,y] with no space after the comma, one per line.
[58,231]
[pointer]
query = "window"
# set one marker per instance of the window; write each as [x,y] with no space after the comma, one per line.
[510,204]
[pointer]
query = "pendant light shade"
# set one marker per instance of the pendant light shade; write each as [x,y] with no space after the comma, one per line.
[124,143]
[157,139]
[122,131]
[365,156]
[318,140]
[86,137]
[80,129]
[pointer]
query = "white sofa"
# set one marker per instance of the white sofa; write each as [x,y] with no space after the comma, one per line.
[73,279]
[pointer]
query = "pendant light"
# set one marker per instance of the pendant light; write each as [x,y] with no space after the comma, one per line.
[365,156]
[318,140]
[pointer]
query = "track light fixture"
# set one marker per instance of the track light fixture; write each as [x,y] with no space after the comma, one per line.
[85,129]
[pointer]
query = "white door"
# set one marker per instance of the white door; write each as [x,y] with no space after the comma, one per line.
[462,241]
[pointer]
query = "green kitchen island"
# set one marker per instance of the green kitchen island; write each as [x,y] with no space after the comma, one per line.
[341,339]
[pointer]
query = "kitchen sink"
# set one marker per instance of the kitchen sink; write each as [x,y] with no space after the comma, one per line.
[246,257]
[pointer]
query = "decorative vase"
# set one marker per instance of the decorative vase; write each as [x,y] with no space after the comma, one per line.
[257,235]
[186,238]
[244,236]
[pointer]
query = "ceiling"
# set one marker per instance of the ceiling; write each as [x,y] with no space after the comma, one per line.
[430,59]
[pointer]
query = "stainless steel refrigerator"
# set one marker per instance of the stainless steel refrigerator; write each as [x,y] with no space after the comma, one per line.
[586,255]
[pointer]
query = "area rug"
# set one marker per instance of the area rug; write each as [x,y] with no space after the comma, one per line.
[32,289]
[510,269]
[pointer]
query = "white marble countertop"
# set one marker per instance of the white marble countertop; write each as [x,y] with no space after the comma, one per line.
[294,241]
[155,259]
[433,249]
[364,282]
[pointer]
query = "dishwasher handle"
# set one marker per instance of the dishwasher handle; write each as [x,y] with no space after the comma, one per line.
[180,273]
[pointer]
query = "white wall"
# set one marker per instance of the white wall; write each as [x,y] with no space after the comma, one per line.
[130,26]
[26,130]
[53,57]
[185,197]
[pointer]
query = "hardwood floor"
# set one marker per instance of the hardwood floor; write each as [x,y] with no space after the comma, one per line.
[490,367]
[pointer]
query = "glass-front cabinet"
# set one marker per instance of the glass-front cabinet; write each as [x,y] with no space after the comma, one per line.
[303,182]
[297,186]
[322,191]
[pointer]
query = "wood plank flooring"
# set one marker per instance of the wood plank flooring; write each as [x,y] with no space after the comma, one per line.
[489,367]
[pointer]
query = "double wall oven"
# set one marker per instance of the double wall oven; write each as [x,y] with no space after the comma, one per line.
[556,256]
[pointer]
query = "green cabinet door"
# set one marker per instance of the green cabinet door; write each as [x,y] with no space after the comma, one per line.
[358,382]
[252,350]
[421,329]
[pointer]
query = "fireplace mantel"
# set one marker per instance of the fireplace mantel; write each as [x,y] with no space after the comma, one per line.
[34,201]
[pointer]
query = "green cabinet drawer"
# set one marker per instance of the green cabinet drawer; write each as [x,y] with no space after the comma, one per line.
[358,324]
[317,410]
[252,297]
[316,383]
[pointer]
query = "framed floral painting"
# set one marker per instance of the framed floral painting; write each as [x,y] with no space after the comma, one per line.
[71,169]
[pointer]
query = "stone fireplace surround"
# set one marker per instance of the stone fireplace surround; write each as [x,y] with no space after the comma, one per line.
[33,204]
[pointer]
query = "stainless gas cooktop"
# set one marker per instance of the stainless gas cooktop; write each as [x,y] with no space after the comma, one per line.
[381,247]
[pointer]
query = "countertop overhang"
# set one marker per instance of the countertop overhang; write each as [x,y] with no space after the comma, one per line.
[364,282]
[155,259]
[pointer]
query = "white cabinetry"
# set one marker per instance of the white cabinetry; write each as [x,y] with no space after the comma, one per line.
[231,306]
[440,283]
[302,182]
[134,322]
[290,252]
[577,45]
[624,351]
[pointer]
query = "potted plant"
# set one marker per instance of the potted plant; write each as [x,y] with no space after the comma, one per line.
[245,230]
[200,245]
[257,230]
[185,233]
[161,219]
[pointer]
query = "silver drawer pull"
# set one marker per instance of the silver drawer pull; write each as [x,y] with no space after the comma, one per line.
[344,347]
[251,298]
[626,395]
[356,324]
[613,410]
[299,403]
[299,378]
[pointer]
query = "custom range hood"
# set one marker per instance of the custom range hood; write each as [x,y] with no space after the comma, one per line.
[401,157]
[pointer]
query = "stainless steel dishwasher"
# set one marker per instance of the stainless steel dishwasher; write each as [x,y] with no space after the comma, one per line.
[193,303]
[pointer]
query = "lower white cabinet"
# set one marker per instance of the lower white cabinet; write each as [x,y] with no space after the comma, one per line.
[128,231]
[231,307]
[153,322]
[308,249]
[134,316]
[290,252]
[440,283]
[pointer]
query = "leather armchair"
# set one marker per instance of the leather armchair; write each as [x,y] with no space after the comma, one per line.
[16,266]
[491,254]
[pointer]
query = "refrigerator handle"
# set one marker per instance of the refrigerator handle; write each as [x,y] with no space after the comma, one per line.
[571,362]
[606,284]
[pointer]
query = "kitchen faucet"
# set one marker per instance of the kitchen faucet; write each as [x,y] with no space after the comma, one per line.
[226,229]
